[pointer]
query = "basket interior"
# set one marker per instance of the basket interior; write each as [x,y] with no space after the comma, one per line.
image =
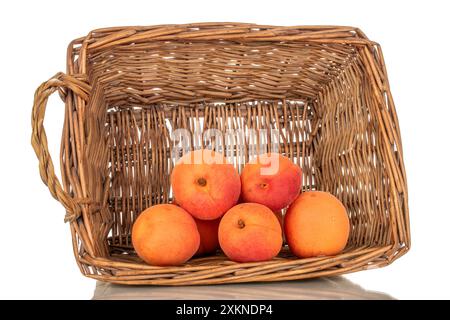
[317,96]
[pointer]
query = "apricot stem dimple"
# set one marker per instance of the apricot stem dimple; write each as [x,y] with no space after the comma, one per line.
[263,185]
[201,182]
[241,223]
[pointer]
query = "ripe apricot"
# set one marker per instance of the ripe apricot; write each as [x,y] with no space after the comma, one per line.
[316,224]
[209,239]
[164,235]
[205,185]
[272,180]
[250,232]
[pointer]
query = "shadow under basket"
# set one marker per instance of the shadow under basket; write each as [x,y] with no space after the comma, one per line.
[127,91]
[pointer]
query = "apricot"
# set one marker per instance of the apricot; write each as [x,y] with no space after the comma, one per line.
[164,235]
[205,185]
[272,180]
[316,224]
[209,240]
[250,232]
[208,229]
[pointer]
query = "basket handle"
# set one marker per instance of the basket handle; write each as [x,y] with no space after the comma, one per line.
[62,83]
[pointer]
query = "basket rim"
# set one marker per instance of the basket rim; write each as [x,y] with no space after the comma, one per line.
[105,37]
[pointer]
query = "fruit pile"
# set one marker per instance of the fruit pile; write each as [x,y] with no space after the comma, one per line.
[215,207]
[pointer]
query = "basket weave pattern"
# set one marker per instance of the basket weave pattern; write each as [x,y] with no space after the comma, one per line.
[324,89]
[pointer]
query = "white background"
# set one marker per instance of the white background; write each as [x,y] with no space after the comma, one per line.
[36,258]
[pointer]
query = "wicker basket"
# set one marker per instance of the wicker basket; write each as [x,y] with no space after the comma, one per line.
[324,88]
